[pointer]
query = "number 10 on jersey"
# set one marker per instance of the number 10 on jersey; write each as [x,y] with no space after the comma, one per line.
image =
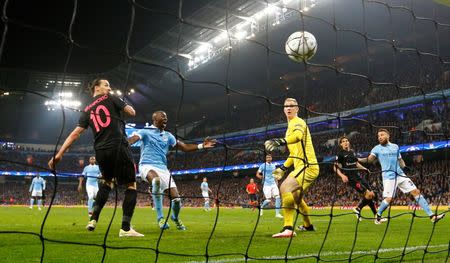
[97,119]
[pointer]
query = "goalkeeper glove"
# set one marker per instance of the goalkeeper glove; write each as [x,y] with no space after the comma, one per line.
[279,172]
[274,143]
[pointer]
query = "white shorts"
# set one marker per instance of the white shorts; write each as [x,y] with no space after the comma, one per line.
[164,175]
[205,195]
[403,183]
[91,191]
[36,193]
[271,191]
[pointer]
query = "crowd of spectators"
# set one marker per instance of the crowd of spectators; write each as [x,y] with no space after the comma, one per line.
[431,177]
[324,93]
[411,124]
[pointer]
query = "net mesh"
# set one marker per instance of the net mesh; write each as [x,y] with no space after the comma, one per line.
[376,52]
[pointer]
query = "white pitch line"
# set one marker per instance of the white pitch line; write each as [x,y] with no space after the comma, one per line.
[359,252]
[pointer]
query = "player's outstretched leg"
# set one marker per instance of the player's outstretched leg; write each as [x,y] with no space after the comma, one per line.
[277,207]
[288,209]
[90,206]
[371,204]
[435,218]
[206,206]
[304,209]
[158,203]
[129,203]
[364,201]
[39,203]
[264,204]
[384,204]
[425,206]
[99,203]
[176,207]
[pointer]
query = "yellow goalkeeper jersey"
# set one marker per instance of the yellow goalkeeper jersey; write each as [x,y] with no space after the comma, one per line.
[301,152]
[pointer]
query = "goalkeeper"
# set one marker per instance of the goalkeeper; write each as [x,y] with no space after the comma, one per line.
[306,169]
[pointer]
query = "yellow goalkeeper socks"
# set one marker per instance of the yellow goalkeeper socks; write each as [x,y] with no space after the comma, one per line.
[304,208]
[288,208]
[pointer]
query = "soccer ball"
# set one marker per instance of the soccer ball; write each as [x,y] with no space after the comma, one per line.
[300,46]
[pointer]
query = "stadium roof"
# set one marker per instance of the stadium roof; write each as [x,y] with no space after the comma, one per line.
[198,47]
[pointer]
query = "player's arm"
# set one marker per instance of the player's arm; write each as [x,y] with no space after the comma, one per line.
[369,159]
[31,186]
[289,162]
[80,184]
[279,172]
[129,111]
[43,184]
[133,139]
[259,174]
[190,147]
[402,164]
[337,168]
[294,137]
[74,135]
[361,167]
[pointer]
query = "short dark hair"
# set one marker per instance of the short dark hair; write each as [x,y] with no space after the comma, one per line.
[93,83]
[383,130]
[342,138]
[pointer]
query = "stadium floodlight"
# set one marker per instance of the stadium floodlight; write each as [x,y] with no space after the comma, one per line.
[243,24]
[119,92]
[259,15]
[132,91]
[65,94]
[277,12]
[221,37]
[270,9]
[188,56]
[65,103]
[241,34]
[204,47]
[65,83]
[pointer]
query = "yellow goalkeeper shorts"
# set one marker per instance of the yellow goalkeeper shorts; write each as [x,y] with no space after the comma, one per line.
[305,175]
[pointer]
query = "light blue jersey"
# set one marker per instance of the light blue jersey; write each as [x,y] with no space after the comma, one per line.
[91,173]
[37,185]
[266,169]
[204,186]
[388,156]
[155,146]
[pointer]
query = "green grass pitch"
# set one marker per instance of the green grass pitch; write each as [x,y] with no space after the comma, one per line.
[229,242]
